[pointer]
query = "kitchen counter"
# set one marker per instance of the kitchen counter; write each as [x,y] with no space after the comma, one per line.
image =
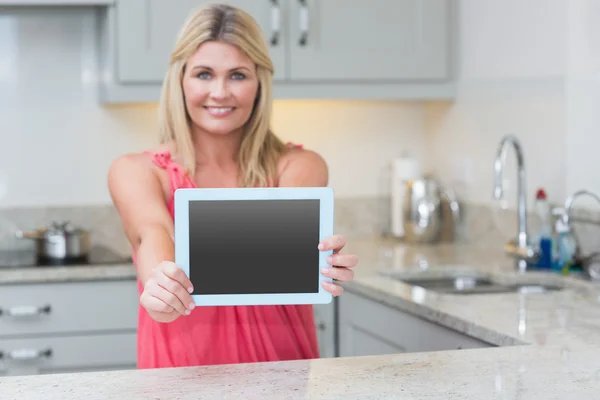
[72,273]
[549,344]
[499,373]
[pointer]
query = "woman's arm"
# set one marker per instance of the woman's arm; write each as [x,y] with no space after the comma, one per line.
[138,196]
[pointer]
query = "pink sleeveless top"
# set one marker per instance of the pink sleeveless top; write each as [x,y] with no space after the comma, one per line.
[227,334]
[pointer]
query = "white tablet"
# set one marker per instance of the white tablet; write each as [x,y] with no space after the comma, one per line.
[254,246]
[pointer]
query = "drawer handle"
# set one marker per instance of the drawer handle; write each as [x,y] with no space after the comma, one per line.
[26,311]
[26,354]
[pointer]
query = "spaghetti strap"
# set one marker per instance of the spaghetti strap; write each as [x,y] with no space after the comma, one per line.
[176,173]
[296,145]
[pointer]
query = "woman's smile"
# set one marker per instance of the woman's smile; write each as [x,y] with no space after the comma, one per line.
[219,112]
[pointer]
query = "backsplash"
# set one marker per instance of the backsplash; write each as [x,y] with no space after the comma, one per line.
[354,217]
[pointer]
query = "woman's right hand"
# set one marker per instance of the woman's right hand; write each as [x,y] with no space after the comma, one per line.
[166,294]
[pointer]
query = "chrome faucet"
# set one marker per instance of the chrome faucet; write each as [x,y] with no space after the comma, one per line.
[566,213]
[519,248]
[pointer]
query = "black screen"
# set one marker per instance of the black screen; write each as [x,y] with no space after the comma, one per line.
[254,246]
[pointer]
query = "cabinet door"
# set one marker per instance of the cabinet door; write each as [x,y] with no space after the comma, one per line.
[325,321]
[364,40]
[146,31]
[68,307]
[75,353]
[370,328]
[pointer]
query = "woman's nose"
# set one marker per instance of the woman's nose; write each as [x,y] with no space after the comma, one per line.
[219,89]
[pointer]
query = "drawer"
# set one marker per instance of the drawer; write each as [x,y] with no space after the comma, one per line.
[67,307]
[68,353]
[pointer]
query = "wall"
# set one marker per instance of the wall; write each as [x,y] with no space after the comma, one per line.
[512,80]
[583,98]
[537,80]
[57,142]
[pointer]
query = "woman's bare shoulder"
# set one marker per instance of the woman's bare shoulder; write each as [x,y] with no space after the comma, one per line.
[140,159]
[129,168]
[299,166]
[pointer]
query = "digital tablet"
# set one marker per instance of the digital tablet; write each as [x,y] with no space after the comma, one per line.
[254,246]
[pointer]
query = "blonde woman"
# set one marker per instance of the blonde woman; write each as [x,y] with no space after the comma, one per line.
[215,112]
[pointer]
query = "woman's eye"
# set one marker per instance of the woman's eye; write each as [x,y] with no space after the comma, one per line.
[238,75]
[203,75]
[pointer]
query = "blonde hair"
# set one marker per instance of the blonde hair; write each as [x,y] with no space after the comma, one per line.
[260,148]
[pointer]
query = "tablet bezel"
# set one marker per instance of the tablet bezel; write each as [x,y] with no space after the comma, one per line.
[325,196]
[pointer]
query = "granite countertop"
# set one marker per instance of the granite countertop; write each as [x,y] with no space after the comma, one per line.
[549,343]
[72,273]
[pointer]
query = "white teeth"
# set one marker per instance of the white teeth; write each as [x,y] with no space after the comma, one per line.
[220,110]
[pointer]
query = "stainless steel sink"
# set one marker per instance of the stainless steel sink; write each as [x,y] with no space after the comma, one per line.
[474,284]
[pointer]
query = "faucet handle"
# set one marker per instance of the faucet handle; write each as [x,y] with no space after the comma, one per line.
[527,253]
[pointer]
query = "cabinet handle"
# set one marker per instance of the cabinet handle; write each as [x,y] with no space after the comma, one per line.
[303,23]
[26,354]
[25,311]
[275,22]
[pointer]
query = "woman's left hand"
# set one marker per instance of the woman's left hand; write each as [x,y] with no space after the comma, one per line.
[340,263]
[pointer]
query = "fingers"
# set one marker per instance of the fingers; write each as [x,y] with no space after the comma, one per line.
[338,273]
[180,294]
[154,289]
[343,260]
[151,303]
[340,263]
[168,290]
[335,243]
[332,288]
[176,273]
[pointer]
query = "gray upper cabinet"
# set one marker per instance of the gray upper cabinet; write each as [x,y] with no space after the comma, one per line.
[360,49]
[147,31]
[365,40]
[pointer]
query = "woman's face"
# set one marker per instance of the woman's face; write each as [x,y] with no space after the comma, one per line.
[220,86]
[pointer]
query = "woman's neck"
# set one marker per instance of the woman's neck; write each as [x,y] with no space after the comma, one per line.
[217,150]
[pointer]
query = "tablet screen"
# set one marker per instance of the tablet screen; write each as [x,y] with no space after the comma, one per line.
[254,246]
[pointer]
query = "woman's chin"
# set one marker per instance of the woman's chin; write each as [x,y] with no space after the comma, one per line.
[220,129]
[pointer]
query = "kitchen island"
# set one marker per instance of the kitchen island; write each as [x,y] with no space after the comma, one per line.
[539,345]
[500,373]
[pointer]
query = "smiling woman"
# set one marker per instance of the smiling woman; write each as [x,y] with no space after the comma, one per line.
[214,120]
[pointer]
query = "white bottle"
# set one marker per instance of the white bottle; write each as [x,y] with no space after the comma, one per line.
[404,168]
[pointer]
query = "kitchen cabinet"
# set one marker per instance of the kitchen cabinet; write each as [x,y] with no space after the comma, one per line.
[67,327]
[325,322]
[368,327]
[400,49]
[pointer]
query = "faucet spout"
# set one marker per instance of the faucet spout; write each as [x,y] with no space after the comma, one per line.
[566,215]
[520,248]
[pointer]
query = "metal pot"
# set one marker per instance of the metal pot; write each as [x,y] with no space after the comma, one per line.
[60,240]
[424,220]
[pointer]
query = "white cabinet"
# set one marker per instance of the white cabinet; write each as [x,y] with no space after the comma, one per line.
[367,327]
[68,326]
[401,49]
[325,322]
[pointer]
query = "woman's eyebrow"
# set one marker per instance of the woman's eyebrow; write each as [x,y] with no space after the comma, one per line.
[210,69]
